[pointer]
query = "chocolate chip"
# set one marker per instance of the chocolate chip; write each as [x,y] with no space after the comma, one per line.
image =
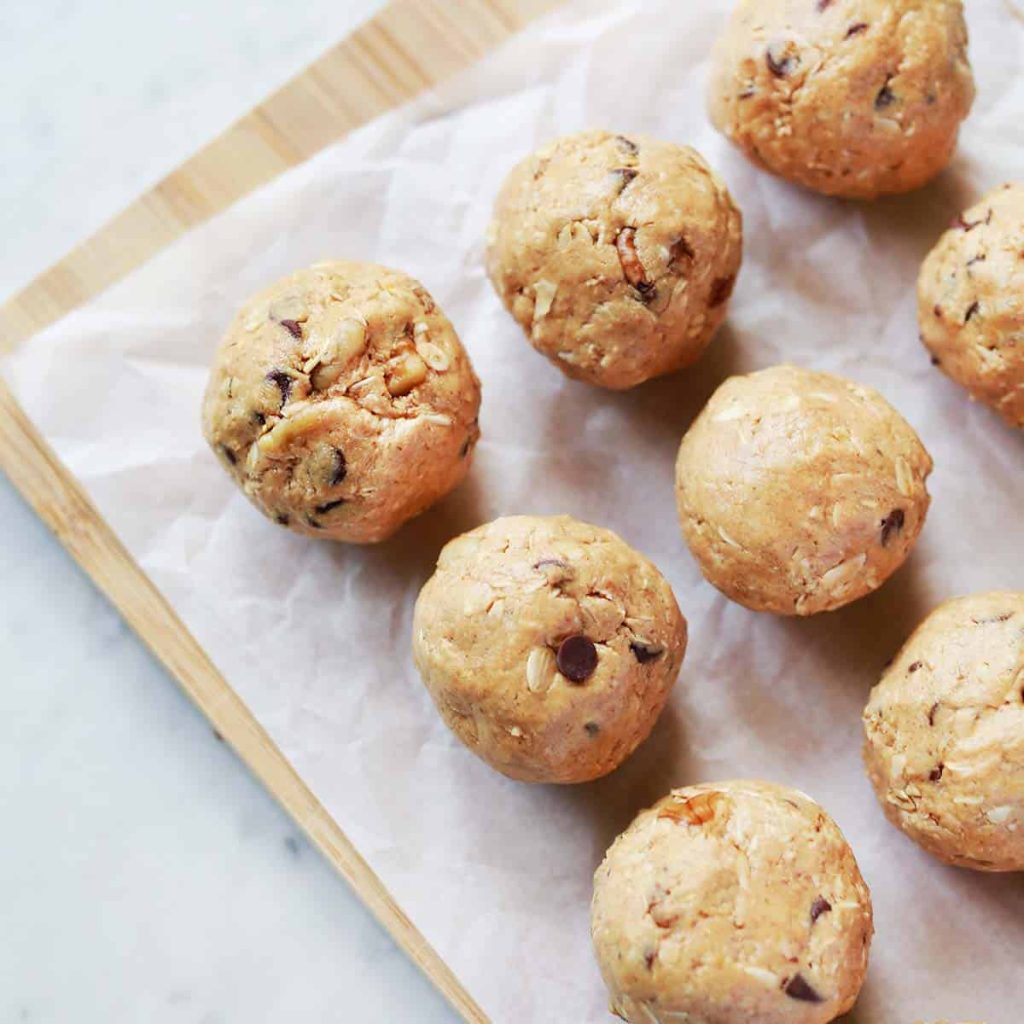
[330,506]
[645,652]
[886,97]
[856,28]
[931,713]
[339,468]
[936,361]
[914,666]
[892,523]
[314,523]
[797,988]
[936,773]
[818,907]
[283,381]
[282,519]
[682,250]
[592,728]
[229,454]
[721,290]
[937,310]
[627,144]
[624,177]
[293,328]
[577,658]
[259,419]
[632,268]
[971,310]
[781,59]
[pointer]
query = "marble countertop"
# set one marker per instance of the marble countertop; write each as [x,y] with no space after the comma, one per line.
[145,876]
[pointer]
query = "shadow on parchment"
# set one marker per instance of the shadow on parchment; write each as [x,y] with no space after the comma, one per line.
[866,635]
[611,803]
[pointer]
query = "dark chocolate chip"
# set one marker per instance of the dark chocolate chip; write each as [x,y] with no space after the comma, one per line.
[282,519]
[797,988]
[937,310]
[314,523]
[293,328]
[229,454]
[624,177]
[886,97]
[781,59]
[892,523]
[284,383]
[259,419]
[644,652]
[721,290]
[971,310]
[627,144]
[818,907]
[914,666]
[330,506]
[339,468]
[931,713]
[577,658]
[592,728]
[936,773]
[856,28]
[682,250]
[936,361]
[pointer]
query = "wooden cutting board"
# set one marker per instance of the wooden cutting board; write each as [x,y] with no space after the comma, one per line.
[407,48]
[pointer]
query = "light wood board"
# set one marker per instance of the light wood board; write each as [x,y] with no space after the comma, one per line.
[410,46]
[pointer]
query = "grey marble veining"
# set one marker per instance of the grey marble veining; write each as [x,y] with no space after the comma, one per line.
[144,875]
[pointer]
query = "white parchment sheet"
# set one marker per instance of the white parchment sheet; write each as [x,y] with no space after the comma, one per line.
[316,637]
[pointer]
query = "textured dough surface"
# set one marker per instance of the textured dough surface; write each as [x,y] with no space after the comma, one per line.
[853,98]
[971,302]
[730,903]
[488,631]
[342,402]
[944,733]
[617,255]
[799,492]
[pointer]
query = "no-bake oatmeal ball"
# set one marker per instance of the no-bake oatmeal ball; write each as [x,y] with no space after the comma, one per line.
[971,302]
[853,98]
[944,733]
[342,402]
[799,492]
[730,903]
[548,645]
[616,254]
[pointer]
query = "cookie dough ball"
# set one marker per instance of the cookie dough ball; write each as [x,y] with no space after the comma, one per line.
[549,646]
[616,254]
[732,903]
[971,302]
[342,402]
[853,98]
[944,734]
[800,492]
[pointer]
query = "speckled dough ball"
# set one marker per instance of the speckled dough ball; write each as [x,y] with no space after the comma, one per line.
[944,733]
[342,402]
[853,98]
[800,492]
[616,254]
[731,903]
[549,646]
[971,302]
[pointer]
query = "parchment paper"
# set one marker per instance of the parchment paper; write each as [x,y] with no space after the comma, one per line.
[315,637]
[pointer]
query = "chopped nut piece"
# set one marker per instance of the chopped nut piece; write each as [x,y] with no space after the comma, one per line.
[405,373]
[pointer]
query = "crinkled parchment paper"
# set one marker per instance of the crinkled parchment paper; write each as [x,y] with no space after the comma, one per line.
[315,637]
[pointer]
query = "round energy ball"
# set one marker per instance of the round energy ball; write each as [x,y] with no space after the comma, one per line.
[342,402]
[944,733]
[853,98]
[799,492]
[548,645]
[616,254]
[730,903]
[971,302]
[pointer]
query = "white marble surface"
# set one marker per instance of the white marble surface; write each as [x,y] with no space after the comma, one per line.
[144,876]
